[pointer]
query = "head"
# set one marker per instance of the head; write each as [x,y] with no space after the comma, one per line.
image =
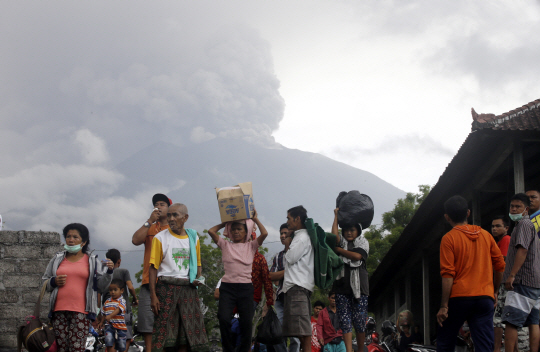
[534,200]
[351,232]
[177,215]
[283,233]
[317,307]
[75,234]
[162,202]
[332,299]
[239,232]
[116,288]
[296,217]
[519,204]
[406,321]
[499,226]
[456,210]
[114,255]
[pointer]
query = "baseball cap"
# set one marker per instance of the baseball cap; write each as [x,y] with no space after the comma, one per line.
[161,197]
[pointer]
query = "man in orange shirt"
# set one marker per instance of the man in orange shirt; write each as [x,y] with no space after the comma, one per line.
[145,234]
[471,268]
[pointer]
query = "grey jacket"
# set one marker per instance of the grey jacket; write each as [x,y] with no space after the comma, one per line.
[98,281]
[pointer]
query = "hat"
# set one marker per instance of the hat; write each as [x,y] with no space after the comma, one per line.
[161,197]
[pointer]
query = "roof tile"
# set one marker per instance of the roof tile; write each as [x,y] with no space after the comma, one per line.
[525,118]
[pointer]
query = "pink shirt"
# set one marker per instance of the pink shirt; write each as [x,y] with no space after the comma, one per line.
[237,259]
[72,296]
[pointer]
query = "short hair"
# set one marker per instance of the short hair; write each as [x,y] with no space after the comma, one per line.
[83,232]
[358,228]
[331,293]
[501,217]
[283,226]
[456,208]
[298,211]
[240,223]
[533,190]
[521,197]
[318,304]
[118,282]
[183,208]
[113,254]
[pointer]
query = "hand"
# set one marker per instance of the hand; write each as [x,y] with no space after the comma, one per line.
[321,341]
[269,303]
[496,295]
[442,315]
[336,211]
[196,283]
[108,263]
[255,215]
[508,285]
[154,304]
[154,216]
[60,280]
[134,301]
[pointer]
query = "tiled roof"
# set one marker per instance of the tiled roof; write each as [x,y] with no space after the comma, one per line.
[526,117]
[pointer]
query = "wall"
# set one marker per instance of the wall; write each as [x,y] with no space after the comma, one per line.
[24,256]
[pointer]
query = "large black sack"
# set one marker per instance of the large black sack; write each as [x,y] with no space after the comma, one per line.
[354,208]
[269,331]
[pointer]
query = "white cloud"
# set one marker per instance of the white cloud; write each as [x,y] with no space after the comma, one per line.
[199,135]
[92,147]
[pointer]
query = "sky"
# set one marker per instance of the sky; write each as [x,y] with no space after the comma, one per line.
[384,86]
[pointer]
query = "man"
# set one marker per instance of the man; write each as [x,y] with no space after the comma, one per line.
[315,345]
[499,230]
[176,260]
[298,279]
[145,234]
[534,208]
[522,277]
[122,274]
[471,269]
[328,331]
[277,272]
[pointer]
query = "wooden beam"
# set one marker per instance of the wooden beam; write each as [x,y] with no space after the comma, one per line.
[408,291]
[396,300]
[519,173]
[476,217]
[498,156]
[425,305]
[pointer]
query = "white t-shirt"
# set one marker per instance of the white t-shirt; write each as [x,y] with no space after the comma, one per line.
[299,262]
[170,254]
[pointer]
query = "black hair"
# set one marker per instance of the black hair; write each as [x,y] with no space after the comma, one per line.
[521,197]
[118,282]
[331,293]
[501,217]
[298,211]
[83,232]
[318,304]
[456,208]
[533,190]
[358,228]
[113,254]
[245,226]
[283,226]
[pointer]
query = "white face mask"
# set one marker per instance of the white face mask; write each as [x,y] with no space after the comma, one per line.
[72,249]
[516,217]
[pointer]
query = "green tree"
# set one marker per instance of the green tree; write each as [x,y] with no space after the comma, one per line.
[382,237]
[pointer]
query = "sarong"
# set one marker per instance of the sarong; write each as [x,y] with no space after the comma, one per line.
[179,321]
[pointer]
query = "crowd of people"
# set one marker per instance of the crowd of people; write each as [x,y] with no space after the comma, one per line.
[491,281]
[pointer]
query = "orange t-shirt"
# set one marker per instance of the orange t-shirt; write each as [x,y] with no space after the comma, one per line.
[469,254]
[72,296]
[154,229]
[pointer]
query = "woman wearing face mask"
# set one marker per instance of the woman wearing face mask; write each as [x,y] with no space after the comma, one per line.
[73,278]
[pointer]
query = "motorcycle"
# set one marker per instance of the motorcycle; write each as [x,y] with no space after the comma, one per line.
[94,342]
[389,338]
[372,336]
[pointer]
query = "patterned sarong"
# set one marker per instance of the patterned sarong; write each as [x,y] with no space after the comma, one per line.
[179,320]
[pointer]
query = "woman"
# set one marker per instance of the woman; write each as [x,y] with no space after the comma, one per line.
[405,328]
[74,278]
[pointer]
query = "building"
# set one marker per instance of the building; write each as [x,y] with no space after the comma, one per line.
[497,160]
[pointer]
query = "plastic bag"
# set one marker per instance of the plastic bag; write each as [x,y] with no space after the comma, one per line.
[354,208]
[269,331]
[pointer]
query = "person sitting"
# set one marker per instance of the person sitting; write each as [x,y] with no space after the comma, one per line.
[405,328]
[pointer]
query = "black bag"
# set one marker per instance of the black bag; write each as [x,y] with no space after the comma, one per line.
[354,208]
[269,331]
[36,335]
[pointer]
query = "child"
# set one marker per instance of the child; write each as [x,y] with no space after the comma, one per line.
[114,309]
[236,288]
[317,307]
[351,285]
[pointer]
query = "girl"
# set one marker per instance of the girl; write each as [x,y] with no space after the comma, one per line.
[351,285]
[236,289]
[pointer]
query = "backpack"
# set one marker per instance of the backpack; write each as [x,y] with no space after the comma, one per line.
[35,335]
[327,263]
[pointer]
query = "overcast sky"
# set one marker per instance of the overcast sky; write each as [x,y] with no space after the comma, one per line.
[385,86]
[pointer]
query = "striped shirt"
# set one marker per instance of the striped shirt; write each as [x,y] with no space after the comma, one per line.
[118,322]
[278,265]
[524,235]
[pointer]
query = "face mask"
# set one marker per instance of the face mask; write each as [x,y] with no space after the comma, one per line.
[72,249]
[516,217]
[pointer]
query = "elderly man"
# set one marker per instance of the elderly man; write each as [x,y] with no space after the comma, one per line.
[175,263]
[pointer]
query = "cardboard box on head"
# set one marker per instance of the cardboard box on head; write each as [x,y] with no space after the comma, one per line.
[235,203]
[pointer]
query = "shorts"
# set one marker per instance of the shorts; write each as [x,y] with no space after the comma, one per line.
[522,306]
[115,337]
[497,316]
[146,316]
[297,312]
[340,347]
[352,311]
